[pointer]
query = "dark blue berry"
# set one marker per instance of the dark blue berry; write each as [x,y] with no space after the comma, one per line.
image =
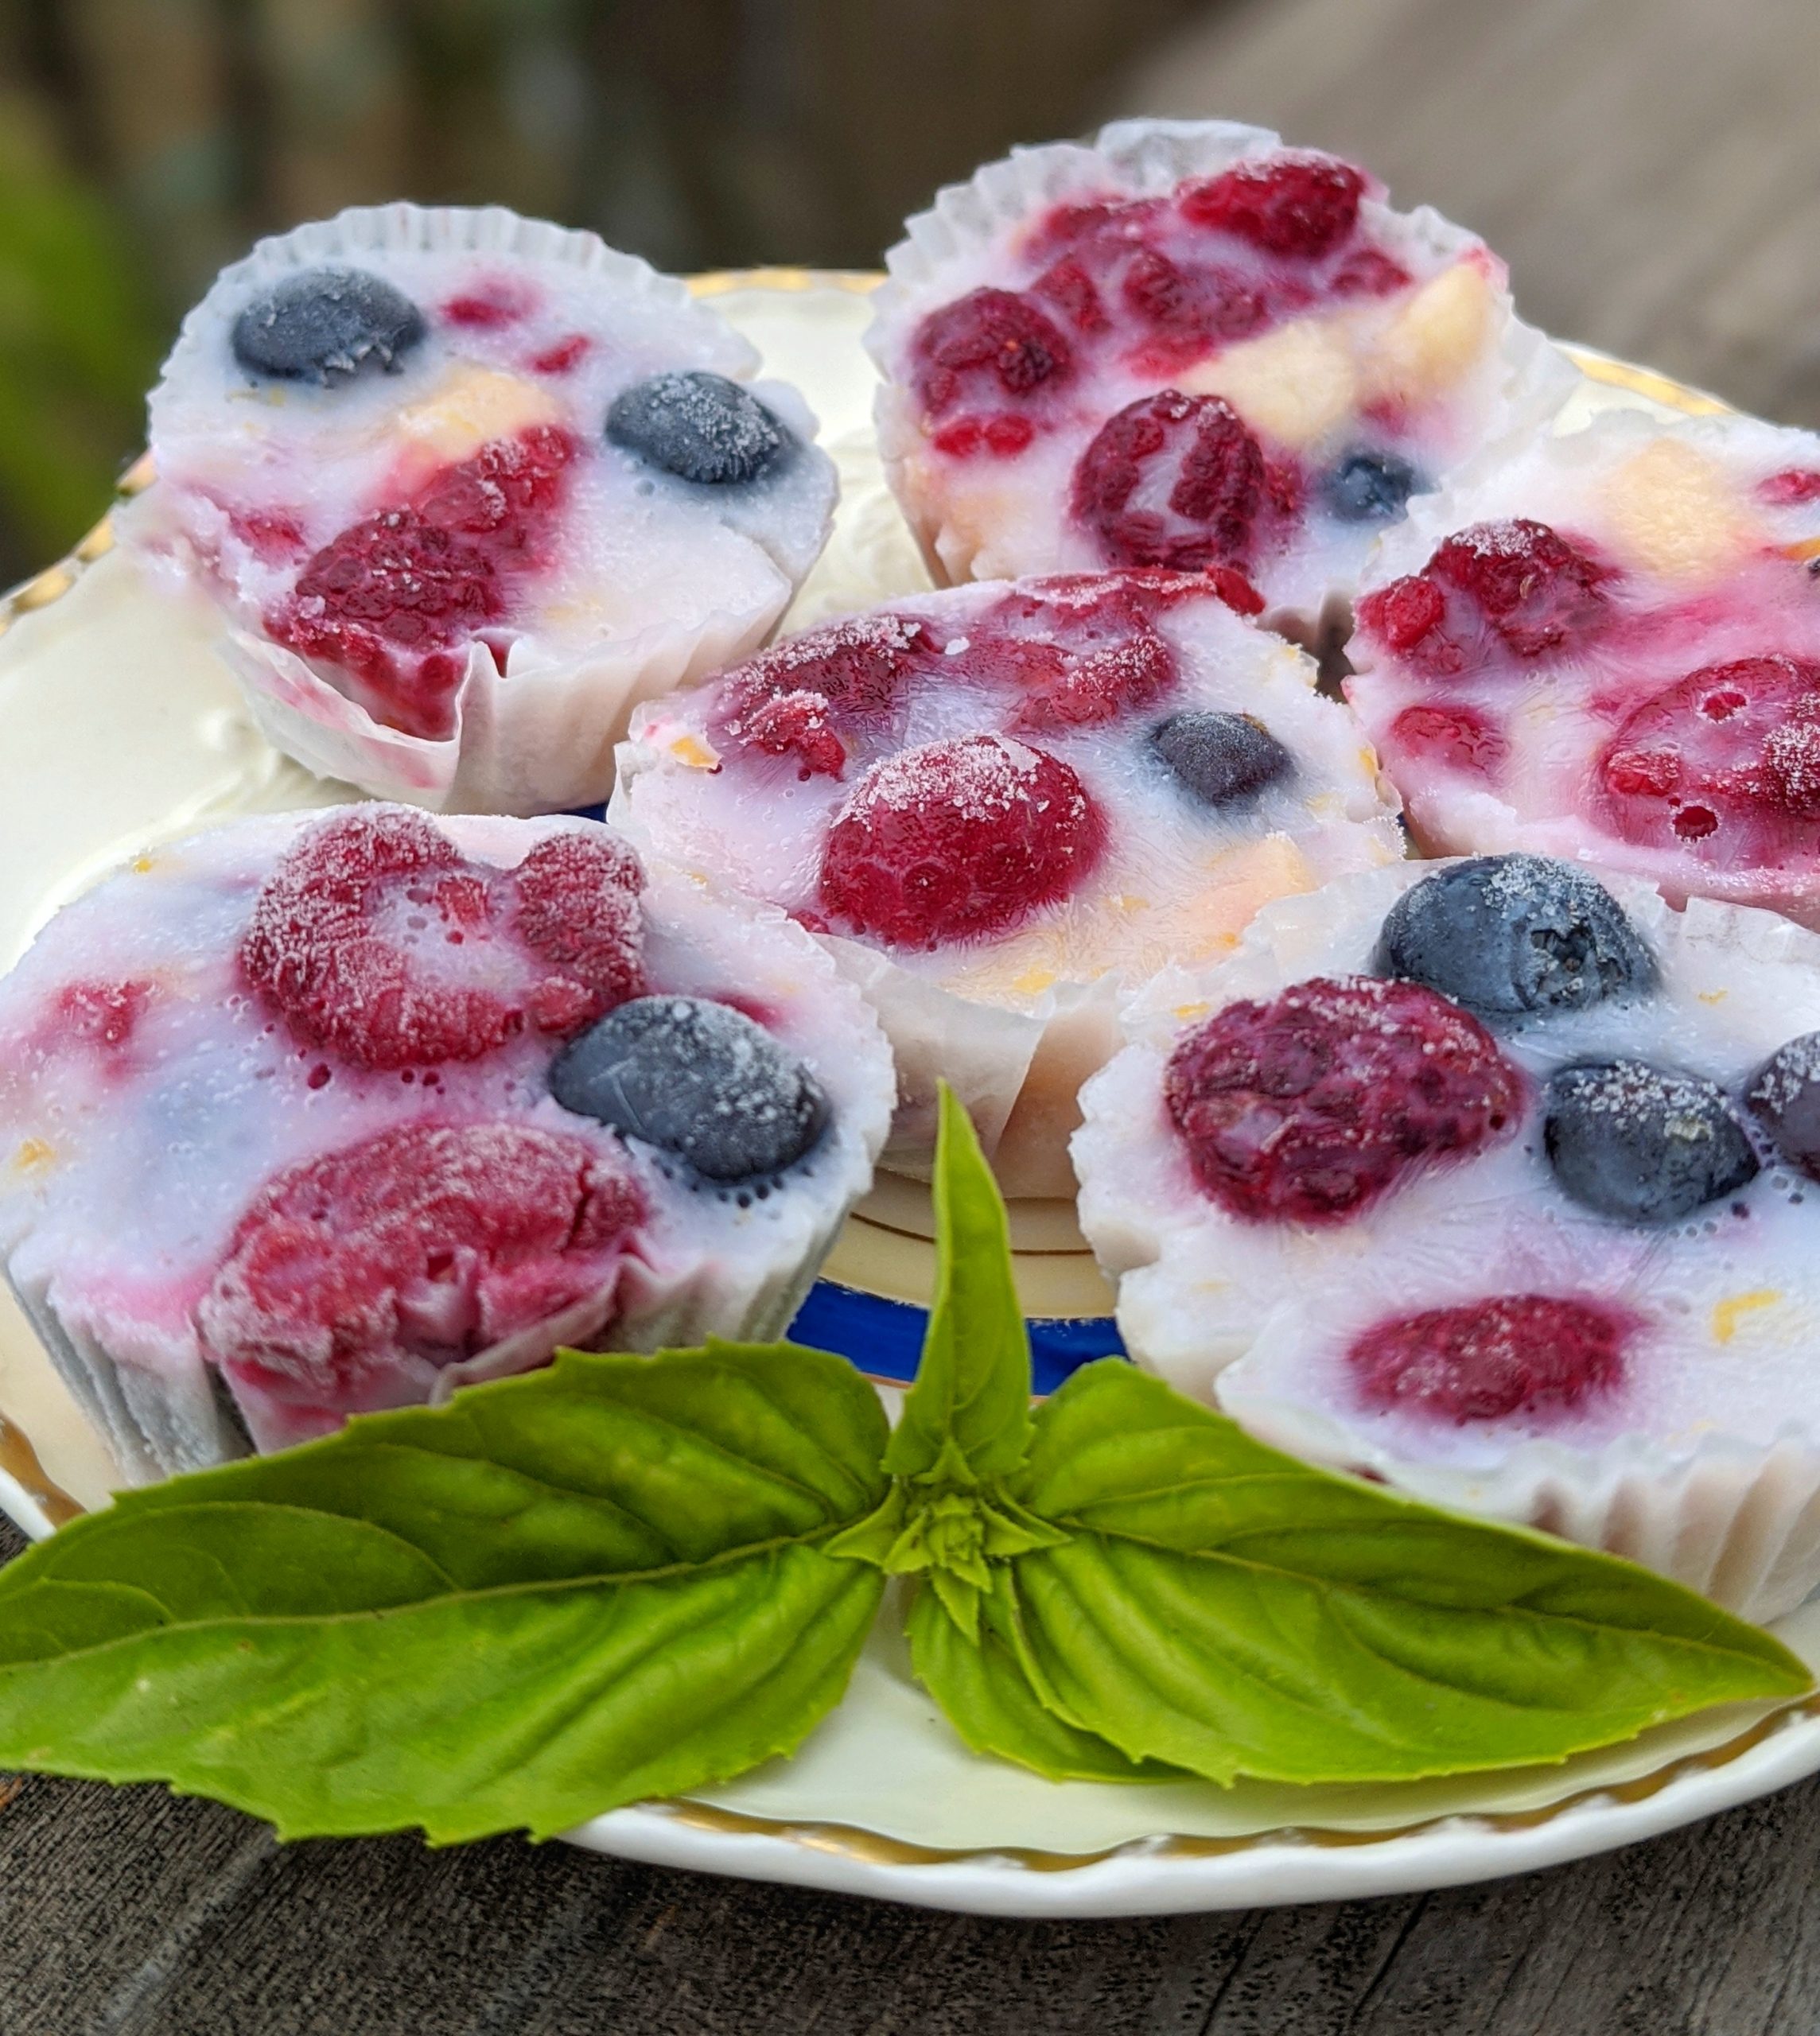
[1515,937]
[696,1078]
[1643,1144]
[1368,487]
[699,427]
[1220,758]
[1785,1099]
[325,325]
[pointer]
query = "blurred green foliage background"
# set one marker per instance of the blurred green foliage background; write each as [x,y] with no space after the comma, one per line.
[145,143]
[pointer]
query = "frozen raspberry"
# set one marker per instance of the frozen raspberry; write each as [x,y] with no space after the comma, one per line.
[990,345]
[1404,613]
[1729,755]
[578,909]
[1071,289]
[1368,272]
[1519,1354]
[1790,488]
[1532,587]
[396,599]
[1303,206]
[1171,480]
[1460,738]
[429,1242]
[1002,436]
[793,699]
[1189,311]
[1079,652]
[956,841]
[376,940]
[1309,1108]
[105,1014]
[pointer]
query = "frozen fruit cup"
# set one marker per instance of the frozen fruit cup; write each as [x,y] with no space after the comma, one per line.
[1498,1180]
[1606,646]
[998,803]
[1186,345]
[466,486]
[310,1116]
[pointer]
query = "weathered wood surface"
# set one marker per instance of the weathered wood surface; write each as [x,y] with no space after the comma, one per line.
[1652,169]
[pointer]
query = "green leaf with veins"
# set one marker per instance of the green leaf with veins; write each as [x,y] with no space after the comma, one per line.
[595,1584]
[966,1420]
[1226,1609]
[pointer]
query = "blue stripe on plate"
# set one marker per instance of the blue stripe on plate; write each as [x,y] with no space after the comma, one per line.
[885,1338]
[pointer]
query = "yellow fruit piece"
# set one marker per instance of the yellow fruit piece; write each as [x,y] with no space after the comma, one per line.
[691,751]
[1294,385]
[1726,1313]
[1435,338]
[33,1154]
[470,407]
[1670,510]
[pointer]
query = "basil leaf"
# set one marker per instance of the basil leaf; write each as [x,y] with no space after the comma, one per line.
[989,1689]
[598,1582]
[1224,1608]
[966,1420]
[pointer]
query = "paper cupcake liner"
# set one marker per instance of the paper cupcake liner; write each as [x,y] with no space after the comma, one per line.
[1736,1521]
[1016,1074]
[164,1409]
[947,250]
[538,737]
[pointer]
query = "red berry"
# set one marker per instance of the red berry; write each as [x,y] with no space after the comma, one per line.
[1190,311]
[501,301]
[428,1243]
[1171,480]
[1077,650]
[793,699]
[1459,738]
[991,343]
[272,537]
[394,601]
[375,939]
[104,1014]
[1369,272]
[1004,437]
[1519,1354]
[1729,754]
[578,909]
[1067,285]
[1790,489]
[565,354]
[957,841]
[1403,613]
[1303,206]
[1532,587]
[1309,1108]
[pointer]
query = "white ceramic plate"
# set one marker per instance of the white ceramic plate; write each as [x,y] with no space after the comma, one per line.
[121,727]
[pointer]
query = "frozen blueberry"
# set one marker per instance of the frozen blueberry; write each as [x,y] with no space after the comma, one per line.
[1785,1099]
[322,324]
[699,426]
[1368,487]
[1219,758]
[1515,937]
[1642,1144]
[697,1079]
